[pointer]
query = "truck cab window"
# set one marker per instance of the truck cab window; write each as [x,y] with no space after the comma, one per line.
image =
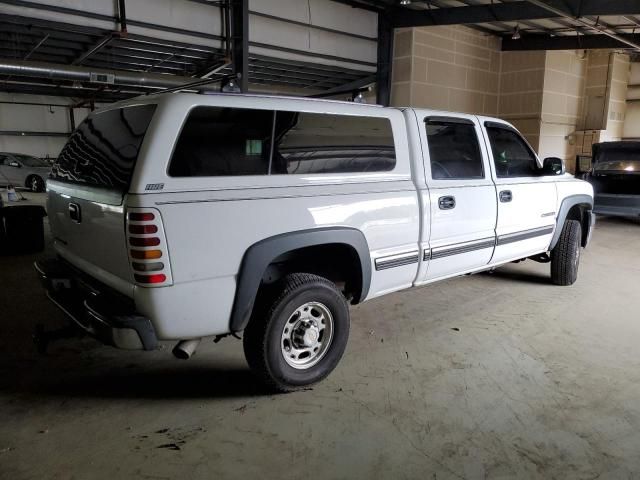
[511,155]
[453,150]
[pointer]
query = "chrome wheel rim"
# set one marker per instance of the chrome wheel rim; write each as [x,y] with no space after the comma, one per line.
[307,335]
[34,184]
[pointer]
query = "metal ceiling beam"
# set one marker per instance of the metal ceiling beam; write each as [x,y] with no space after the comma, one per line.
[586,22]
[573,42]
[362,5]
[308,65]
[240,42]
[351,86]
[506,12]
[16,50]
[504,26]
[111,64]
[385,61]
[52,57]
[93,49]
[128,54]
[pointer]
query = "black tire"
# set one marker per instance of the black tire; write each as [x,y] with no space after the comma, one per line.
[35,183]
[263,337]
[565,257]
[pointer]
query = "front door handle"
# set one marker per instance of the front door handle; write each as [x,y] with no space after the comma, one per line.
[74,212]
[447,203]
[506,196]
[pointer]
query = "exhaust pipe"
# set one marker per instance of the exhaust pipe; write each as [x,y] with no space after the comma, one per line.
[186,348]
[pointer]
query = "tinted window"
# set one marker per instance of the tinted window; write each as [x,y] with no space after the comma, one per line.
[104,148]
[223,141]
[31,161]
[324,143]
[219,141]
[617,152]
[454,150]
[511,155]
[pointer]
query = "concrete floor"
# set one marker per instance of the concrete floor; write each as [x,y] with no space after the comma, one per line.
[489,376]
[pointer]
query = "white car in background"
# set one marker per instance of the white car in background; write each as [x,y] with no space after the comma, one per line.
[22,170]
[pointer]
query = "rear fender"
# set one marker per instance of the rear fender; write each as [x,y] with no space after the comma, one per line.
[260,255]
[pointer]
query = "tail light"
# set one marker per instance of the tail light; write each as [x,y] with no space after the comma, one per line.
[147,244]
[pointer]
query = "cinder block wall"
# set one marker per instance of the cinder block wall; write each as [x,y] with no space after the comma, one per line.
[552,97]
[562,104]
[632,118]
[462,70]
[604,100]
[446,68]
[521,90]
[618,82]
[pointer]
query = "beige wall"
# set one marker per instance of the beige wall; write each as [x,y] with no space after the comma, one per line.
[617,97]
[562,104]
[562,101]
[402,67]
[604,100]
[631,128]
[446,68]
[520,94]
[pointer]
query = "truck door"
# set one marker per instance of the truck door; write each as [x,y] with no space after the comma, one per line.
[461,197]
[526,199]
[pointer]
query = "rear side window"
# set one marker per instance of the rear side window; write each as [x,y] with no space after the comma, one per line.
[453,150]
[223,142]
[103,150]
[511,155]
[218,141]
[308,143]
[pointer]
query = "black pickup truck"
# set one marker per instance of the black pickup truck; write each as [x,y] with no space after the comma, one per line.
[614,172]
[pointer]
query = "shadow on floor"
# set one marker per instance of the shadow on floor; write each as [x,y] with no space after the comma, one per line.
[131,382]
[179,383]
[519,276]
[83,368]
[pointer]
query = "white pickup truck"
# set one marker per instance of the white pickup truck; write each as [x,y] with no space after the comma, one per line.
[180,216]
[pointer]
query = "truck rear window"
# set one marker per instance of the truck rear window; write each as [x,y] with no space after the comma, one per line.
[103,150]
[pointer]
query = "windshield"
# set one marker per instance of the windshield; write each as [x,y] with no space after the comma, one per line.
[31,161]
[619,153]
[103,150]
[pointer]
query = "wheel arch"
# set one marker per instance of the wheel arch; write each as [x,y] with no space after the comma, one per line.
[27,180]
[30,177]
[574,207]
[262,254]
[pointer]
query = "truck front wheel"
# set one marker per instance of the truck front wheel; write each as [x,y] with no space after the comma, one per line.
[297,337]
[565,256]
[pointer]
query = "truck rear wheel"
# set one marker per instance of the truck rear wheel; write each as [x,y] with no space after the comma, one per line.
[297,337]
[565,256]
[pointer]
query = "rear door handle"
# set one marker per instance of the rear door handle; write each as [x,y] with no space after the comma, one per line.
[447,203]
[505,196]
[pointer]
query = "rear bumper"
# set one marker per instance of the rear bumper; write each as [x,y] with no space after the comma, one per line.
[612,204]
[102,313]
